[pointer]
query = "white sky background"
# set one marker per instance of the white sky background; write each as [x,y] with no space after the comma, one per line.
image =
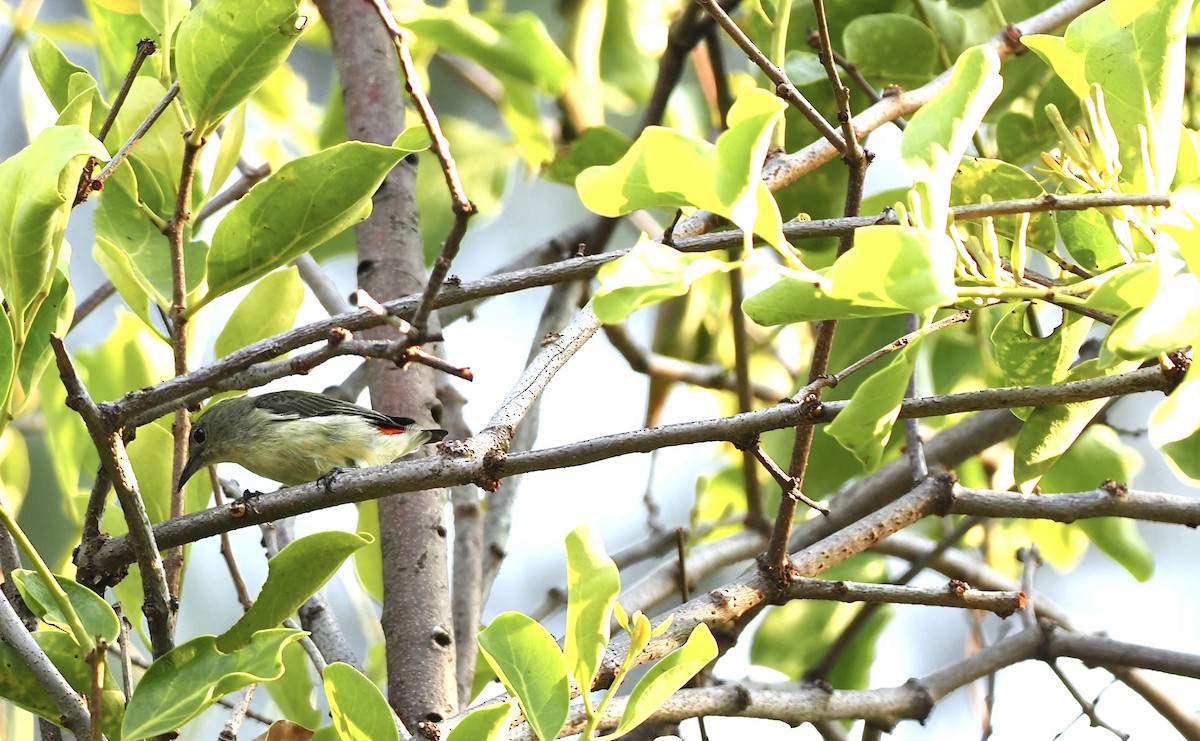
[583,401]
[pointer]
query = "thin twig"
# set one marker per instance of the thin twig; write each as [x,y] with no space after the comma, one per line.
[321,285]
[98,182]
[158,607]
[755,518]
[912,428]
[851,69]
[461,205]
[123,649]
[1110,500]
[178,324]
[898,344]
[145,48]
[667,368]
[230,731]
[783,86]
[235,192]
[685,32]
[821,668]
[10,559]
[857,161]
[853,153]
[1087,709]
[235,574]
[789,486]
[556,328]
[92,302]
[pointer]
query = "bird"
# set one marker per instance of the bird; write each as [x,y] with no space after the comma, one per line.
[295,437]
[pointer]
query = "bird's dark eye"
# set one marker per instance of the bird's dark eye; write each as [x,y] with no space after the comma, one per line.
[199,435]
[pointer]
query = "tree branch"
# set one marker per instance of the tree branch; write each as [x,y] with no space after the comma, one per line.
[452,469]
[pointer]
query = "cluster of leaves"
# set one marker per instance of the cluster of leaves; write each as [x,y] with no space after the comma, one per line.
[1131,263]
[540,675]
[1109,127]
[183,682]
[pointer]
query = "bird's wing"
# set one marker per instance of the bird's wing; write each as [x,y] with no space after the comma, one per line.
[294,405]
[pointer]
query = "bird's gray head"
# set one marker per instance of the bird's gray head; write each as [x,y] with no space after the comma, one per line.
[223,429]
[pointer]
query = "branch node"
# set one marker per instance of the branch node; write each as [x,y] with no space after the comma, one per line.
[1114,489]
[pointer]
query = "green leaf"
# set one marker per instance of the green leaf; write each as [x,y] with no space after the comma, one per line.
[304,203]
[368,560]
[1100,455]
[86,108]
[1051,430]
[516,45]
[293,575]
[891,49]
[1125,288]
[1169,321]
[95,614]
[37,187]
[1032,361]
[1135,51]
[130,357]
[14,464]
[484,675]
[165,16]
[117,27]
[488,723]
[1089,240]
[292,692]
[154,164]
[977,180]
[805,68]
[891,270]
[54,71]
[599,145]
[19,686]
[665,168]
[651,272]
[741,151]
[54,316]
[1174,424]
[181,683]
[268,309]
[519,107]
[8,369]
[592,586]
[359,709]
[151,454]
[136,256]
[865,425]
[225,49]
[232,138]
[666,677]
[68,444]
[939,133]
[531,667]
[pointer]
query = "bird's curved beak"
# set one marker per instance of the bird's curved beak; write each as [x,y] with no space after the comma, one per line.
[190,468]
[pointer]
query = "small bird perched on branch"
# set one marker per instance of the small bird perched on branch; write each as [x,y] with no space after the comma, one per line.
[294,437]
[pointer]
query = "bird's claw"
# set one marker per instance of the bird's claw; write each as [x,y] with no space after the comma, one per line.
[326,479]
